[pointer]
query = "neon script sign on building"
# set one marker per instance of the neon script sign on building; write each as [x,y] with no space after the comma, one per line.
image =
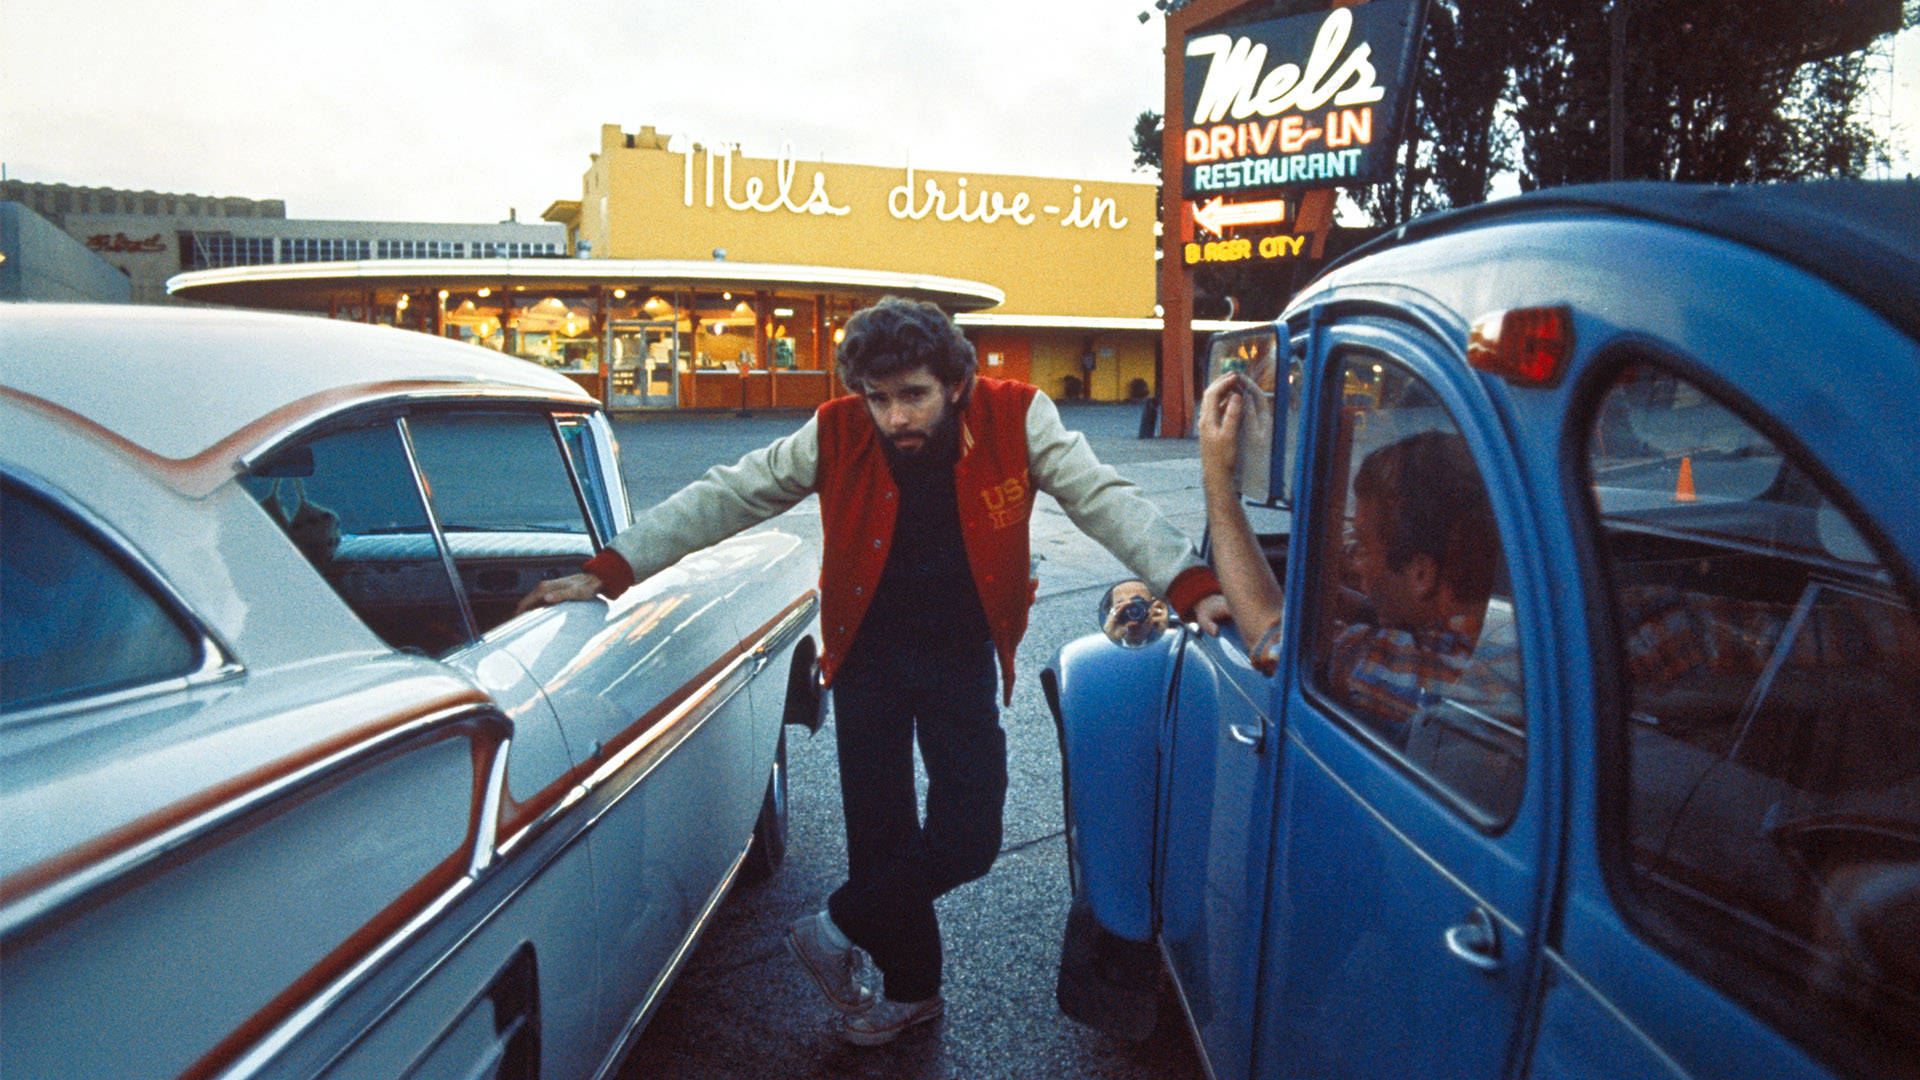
[905,201]
[1307,101]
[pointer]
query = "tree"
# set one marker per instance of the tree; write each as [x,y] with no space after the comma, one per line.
[1147,132]
[1716,91]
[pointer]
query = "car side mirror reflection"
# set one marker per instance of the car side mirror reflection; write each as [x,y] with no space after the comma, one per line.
[1131,616]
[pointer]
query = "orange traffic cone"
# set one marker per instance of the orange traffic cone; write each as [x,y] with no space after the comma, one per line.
[1683,491]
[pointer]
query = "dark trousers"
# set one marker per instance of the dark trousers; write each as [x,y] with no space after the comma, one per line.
[896,866]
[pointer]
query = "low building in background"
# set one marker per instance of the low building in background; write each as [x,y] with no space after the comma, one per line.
[39,262]
[152,236]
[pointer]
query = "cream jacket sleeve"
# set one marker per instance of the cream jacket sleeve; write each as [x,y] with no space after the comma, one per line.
[727,499]
[1102,503]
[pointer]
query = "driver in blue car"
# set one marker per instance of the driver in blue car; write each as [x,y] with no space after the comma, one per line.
[1424,553]
[926,477]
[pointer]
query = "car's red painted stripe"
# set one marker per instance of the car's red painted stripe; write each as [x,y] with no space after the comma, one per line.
[150,826]
[200,474]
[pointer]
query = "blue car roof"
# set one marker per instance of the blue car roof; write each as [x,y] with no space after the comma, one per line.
[1863,237]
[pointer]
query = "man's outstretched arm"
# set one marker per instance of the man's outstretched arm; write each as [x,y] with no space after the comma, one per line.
[1111,509]
[727,499]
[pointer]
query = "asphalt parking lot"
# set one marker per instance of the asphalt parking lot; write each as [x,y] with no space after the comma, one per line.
[741,1008]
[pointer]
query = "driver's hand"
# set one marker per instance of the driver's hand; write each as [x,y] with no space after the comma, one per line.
[559,591]
[1219,425]
[1212,611]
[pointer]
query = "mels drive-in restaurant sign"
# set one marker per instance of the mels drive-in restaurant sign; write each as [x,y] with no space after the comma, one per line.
[1307,101]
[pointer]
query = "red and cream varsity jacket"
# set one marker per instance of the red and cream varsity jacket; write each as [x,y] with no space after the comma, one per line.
[1012,444]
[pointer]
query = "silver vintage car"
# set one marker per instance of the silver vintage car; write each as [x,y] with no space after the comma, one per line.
[288,788]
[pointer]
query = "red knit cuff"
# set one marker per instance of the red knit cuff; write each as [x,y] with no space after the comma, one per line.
[1193,585]
[613,570]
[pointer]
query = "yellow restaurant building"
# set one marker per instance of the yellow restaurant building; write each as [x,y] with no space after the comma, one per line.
[703,278]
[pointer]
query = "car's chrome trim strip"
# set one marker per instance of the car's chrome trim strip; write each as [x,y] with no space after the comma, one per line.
[1186,1010]
[283,1032]
[41,890]
[487,818]
[651,739]
[273,1027]
[777,633]
[653,748]
[1626,1022]
[288,1029]
[657,992]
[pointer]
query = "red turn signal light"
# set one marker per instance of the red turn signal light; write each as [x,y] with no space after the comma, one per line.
[1527,346]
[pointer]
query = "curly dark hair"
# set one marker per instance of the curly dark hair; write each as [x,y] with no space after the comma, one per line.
[895,336]
[1433,502]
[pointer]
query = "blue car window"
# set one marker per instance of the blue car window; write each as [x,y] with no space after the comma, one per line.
[349,501]
[506,501]
[1414,634]
[74,621]
[1771,727]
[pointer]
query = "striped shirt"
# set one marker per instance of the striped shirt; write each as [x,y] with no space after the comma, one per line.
[1390,674]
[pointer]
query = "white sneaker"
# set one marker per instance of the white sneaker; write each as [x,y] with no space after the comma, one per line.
[888,1018]
[834,969]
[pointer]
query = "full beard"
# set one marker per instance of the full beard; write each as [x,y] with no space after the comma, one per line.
[939,447]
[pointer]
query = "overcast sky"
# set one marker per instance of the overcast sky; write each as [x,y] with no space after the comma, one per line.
[438,111]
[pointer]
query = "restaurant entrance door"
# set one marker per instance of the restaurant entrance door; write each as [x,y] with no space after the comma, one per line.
[643,364]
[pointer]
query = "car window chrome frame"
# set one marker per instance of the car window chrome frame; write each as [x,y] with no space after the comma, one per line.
[606,451]
[216,660]
[398,407]
[598,515]
[1327,352]
[310,423]
[439,535]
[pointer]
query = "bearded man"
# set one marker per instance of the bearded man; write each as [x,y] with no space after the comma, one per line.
[926,476]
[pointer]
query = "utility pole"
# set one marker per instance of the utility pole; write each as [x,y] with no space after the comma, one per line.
[1617,92]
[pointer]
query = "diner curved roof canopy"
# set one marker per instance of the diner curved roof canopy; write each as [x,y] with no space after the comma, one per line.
[313,286]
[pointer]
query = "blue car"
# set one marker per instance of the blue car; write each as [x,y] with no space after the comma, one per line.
[1644,798]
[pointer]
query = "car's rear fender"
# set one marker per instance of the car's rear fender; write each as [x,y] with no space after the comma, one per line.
[1109,703]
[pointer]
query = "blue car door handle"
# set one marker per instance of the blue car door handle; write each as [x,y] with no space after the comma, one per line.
[1476,941]
[1254,734]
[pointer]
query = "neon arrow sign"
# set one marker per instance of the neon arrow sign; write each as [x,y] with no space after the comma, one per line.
[1218,215]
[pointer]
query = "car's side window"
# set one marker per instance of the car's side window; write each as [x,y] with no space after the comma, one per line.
[505,498]
[577,436]
[350,502]
[1413,633]
[74,621]
[1770,713]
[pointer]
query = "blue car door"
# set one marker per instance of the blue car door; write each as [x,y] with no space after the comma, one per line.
[1218,793]
[1410,810]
